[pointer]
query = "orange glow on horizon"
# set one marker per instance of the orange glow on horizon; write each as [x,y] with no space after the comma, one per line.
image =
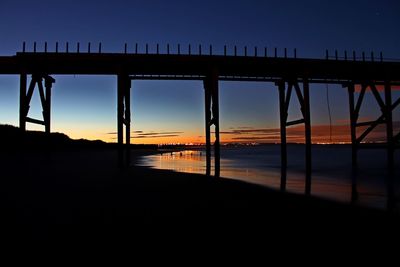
[295,134]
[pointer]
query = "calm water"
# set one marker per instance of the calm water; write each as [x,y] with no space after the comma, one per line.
[331,176]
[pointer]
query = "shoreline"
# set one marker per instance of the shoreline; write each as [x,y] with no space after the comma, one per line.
[331,180]
[64,196]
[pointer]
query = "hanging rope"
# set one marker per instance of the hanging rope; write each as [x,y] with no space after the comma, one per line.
[329,113]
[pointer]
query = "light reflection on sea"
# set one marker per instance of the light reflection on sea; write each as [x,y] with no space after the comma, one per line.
[331,176]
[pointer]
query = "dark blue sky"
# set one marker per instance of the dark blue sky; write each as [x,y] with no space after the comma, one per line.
[85,106]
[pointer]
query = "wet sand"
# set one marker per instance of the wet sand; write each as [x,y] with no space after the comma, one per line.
[79,196]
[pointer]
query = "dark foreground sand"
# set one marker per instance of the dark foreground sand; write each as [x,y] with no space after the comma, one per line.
[79,196]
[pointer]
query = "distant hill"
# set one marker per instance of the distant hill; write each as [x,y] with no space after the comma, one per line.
[12,138]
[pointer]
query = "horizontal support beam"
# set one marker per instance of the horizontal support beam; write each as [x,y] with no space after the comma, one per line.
[291,123]
[396,103]
[250,67]
[369,123]
[27,119]
[244,79]
[370,128]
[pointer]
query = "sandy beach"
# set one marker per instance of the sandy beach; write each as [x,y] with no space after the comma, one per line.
[66,195]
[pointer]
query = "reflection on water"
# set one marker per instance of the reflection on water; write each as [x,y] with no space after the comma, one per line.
[261,165]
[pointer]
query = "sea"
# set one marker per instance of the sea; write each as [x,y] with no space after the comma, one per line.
[260,164]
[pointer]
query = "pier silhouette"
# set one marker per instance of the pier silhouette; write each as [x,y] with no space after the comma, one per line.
[291,75]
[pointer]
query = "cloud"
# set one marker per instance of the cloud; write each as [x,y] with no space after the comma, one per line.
[141,134]
[157,136]
[360,119]
[251,131]
[319,134]
[241,127]
[255,138]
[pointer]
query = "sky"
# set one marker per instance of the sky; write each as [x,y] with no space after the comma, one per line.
[173,111]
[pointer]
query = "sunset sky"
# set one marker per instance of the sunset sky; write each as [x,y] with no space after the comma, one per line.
[173,111]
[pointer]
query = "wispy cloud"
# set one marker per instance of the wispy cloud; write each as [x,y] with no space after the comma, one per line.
[320,133]
[141,134]
[347,120]
[241,127]
[155,136]
[159,133]
[251,131]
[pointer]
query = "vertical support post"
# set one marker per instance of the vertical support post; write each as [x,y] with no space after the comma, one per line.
[215,115]
[390,145]
[353,121]
[120,120]
[283,116]
[353,118]
[45,98]
[211,97]
[22,102]
[307,126]
[48,82]
[128,119]
[207,99]
[389,125]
